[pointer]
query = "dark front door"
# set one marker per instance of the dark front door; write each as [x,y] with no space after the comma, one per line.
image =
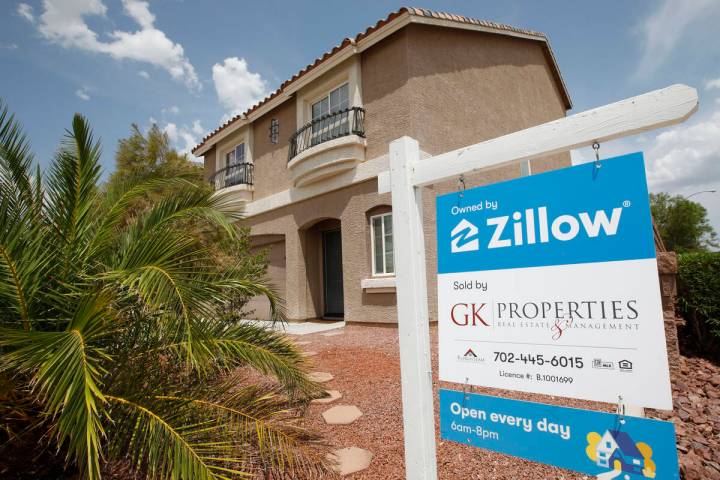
[332,274]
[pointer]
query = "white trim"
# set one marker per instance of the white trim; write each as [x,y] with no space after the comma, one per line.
[374,272]
[361,173]
[367,170]
[378,284]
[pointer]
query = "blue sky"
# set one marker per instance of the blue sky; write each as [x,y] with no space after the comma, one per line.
[189,64]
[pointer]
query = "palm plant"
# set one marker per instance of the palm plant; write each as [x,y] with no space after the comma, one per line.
[114,333]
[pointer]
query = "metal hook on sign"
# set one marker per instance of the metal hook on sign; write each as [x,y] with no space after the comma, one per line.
[596,147]
[461,181]
[621,410]
[465,392]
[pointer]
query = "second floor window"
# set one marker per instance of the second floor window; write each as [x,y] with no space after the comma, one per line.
[235,156]
[382,244]
[336,101]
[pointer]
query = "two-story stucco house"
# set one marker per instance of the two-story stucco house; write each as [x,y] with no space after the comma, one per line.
[305,160]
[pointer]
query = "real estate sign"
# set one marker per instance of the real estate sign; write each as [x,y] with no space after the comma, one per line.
[595,443]
[549,284]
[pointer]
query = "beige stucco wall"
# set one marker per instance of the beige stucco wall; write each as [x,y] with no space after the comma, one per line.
[447,88]
[209,165]
[271,174]
[385,93]
[296,222]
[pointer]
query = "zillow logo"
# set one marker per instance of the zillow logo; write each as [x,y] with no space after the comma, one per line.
[464,237]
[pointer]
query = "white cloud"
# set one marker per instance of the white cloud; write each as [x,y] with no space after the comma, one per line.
[140,11]
[82,93]
[680,160]
[687,155]
[237,87]
[664,28]
[197,128]
[63,22]
[144,74]
[26,12]
[184,138]
[174,110]
[9,46]
[710,84]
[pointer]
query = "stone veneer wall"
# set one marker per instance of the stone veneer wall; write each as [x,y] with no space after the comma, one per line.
[667,271]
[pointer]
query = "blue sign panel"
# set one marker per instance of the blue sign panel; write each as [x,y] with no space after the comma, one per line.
[594,443]
[581,214]
[548,284]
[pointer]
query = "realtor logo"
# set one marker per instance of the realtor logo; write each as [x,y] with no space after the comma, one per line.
[602,364]
[470,357]
[464,237]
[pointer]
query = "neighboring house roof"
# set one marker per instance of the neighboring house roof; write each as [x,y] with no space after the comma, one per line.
[376,33]
[626,444]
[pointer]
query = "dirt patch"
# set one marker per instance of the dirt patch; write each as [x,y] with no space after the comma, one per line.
[366,365]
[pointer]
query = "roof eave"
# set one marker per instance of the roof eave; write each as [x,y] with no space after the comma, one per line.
[349,47]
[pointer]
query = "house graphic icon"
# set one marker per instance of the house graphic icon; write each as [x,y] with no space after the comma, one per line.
[464,237]
[618,451]
[625,365]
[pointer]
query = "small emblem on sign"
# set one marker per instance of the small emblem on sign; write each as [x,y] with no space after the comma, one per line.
[602,364]
[625,365]
[464,237]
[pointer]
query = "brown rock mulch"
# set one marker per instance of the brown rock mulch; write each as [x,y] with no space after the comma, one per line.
[696,398]
[364,360]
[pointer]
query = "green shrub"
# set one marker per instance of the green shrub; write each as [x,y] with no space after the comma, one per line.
[699,298]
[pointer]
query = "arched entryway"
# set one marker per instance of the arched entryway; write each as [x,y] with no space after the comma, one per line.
[324,269]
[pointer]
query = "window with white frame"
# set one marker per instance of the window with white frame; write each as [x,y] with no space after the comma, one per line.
[235,156]
[383,262]
[338,100]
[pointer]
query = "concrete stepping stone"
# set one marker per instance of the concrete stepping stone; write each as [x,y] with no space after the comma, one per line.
[342,415]
[309,354]
[320,377]
[332,396]
[350,460]
[331,334]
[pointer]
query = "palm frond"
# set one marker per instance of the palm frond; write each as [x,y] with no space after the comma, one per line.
[265,419]
[186,451]
[15,160]
[72,189]
[268,351]
[66,370]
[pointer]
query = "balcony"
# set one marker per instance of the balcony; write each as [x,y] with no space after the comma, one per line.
[235,178]
[327,146]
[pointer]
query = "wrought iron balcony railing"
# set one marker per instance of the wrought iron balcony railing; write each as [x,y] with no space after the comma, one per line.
[238,174]
[349,121]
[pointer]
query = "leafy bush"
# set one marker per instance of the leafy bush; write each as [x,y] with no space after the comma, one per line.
[699,298]
[115,344]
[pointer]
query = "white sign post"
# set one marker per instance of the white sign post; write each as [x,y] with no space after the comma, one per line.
[408,174]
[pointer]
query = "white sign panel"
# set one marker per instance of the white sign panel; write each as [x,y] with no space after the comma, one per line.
[549,284]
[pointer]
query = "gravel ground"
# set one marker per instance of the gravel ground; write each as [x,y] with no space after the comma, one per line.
[365,362]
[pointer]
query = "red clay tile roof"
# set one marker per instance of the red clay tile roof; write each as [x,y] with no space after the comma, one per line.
[418,12]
